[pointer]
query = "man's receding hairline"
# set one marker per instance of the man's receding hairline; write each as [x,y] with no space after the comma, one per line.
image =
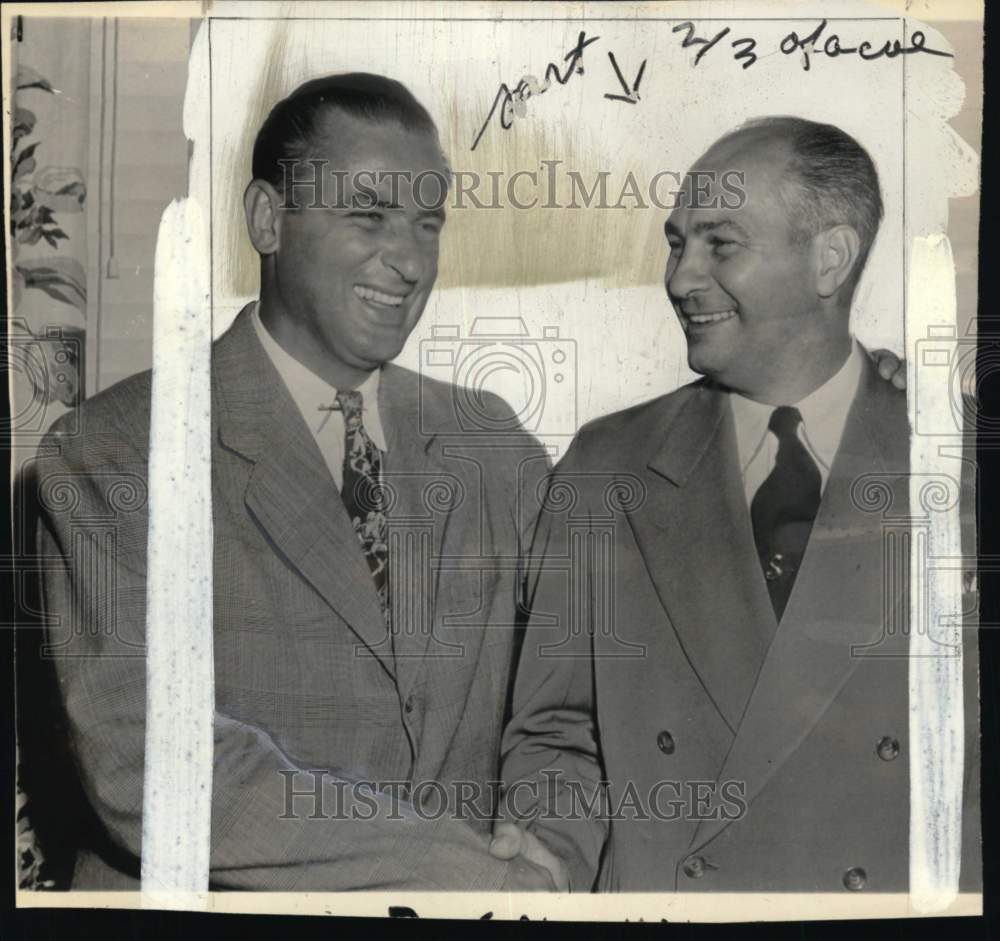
[790,186]
[724,155]
[733,143]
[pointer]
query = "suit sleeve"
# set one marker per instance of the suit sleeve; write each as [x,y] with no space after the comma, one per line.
[263,837]
[551,763]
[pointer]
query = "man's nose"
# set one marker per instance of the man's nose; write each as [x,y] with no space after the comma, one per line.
[402,253]
[690,274]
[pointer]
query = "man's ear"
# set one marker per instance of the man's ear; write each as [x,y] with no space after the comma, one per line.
[261,204]
[837,251]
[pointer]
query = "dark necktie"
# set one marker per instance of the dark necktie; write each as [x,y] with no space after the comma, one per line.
[363,496]
[784,507]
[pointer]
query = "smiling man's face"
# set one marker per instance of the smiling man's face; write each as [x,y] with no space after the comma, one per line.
[352,280]
[743,288]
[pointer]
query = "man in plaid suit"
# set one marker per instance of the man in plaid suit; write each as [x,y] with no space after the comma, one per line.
[366,547]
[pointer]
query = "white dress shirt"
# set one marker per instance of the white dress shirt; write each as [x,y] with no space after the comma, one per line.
[824,414]
[313,396]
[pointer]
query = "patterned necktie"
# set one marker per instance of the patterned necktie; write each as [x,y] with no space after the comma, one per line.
[363,496]
[784,507]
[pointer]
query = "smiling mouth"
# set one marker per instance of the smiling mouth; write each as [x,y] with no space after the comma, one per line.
[378,298]
[707,319]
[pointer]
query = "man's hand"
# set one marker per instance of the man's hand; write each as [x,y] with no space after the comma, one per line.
[524,849]
[891,367]
[525,876]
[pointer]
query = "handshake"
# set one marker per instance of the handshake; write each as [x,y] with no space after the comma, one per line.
[532,867]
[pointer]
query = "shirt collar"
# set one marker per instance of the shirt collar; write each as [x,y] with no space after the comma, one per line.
[824,413]
[751,420]
[313,395]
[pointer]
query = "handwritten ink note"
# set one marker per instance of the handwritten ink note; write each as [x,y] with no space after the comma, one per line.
[510,104]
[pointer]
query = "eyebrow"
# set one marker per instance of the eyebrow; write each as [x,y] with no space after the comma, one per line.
[437,213]
[701,227]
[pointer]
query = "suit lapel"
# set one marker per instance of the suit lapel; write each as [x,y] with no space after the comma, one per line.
[290,492]
[835,608]
[694,535]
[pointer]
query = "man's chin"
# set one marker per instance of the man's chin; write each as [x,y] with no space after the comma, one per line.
[377,355]
[701,360]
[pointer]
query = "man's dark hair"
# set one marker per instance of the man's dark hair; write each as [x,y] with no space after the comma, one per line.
[831,180]
[295,124]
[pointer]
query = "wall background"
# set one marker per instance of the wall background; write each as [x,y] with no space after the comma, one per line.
[110,155]
[144,167]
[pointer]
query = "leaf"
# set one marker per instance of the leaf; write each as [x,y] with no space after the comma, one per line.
[53,179]
[61,278]
[24,162]
[70,269]
[27,152]
[27,77]
[23,117]
[24,124]
[53,291]
[62,188]
[24,168]
[60,268]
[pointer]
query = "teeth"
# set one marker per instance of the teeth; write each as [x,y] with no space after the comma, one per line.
[716,317]
[370,294]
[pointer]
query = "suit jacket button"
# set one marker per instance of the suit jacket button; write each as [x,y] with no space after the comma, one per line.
[665,742]
[855,879]
[694,867]
[408,705]
[887,748]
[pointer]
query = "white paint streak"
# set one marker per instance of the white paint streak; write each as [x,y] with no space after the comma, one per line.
[937,721]
[180,694]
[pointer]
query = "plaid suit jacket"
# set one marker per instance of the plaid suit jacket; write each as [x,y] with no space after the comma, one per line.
[307,678]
